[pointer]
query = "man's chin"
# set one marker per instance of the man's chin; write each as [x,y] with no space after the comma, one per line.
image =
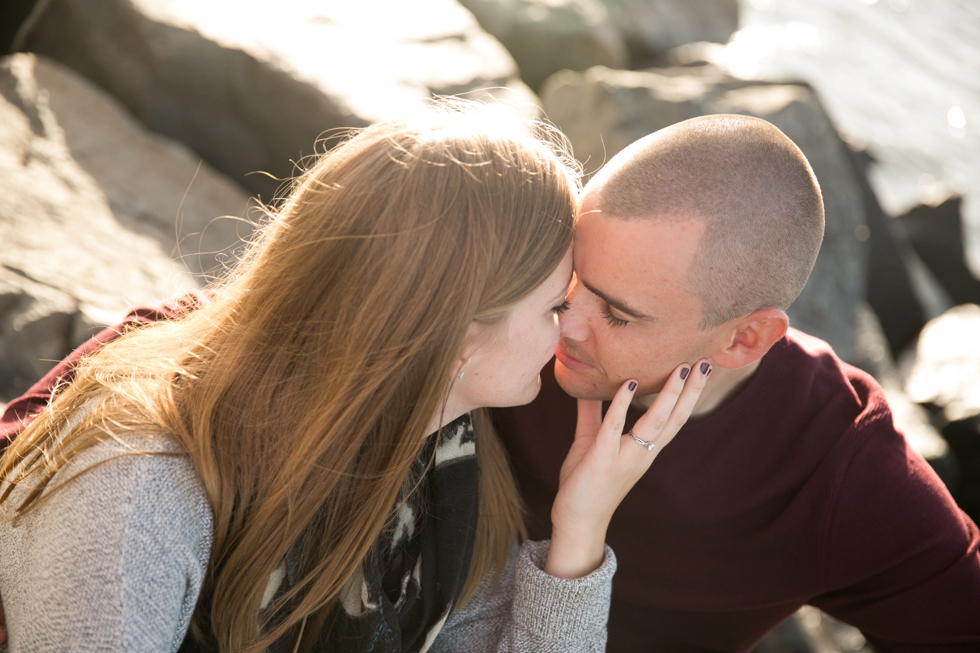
[579,386]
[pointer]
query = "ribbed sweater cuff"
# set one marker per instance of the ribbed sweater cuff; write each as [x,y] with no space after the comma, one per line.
[561,608]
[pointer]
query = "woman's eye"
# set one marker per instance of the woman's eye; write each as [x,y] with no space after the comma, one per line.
[561,308]
[612,319]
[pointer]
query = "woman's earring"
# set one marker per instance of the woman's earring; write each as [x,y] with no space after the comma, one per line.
[460,375]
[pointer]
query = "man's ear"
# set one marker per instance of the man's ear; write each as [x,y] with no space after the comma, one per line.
[750,337]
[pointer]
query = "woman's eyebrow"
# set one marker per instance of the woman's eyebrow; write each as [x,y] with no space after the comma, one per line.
[619,305]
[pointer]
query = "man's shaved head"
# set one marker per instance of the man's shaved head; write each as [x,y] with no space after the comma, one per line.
[753,189]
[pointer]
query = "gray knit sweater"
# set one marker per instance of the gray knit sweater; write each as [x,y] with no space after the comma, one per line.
[114,561]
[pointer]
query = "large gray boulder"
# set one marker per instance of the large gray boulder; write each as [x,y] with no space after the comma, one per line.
[651,27]
[936,233]
[251,86]
[602,111]
[94,213]
[546,36]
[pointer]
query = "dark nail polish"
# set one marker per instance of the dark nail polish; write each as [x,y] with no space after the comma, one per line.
[632,386]
[705,368]
[685,372]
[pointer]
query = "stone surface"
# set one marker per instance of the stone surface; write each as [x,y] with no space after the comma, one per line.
[946,371]
[651,27]
[964,439]
[545,36]
[891,290]
[251,86]
[936,233]
[15,13]
[90,210]
[603,110]
[810,630]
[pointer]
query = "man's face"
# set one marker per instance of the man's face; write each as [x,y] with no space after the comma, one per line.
[630,313]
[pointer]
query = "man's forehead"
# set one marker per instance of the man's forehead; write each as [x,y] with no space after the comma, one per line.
[671,238]
[636,259]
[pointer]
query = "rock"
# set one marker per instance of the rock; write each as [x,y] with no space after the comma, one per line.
[829,635]
[787,637]
[936,233]
[891,290]
[964,439]
[946,371]
[651,27]
[36,325]
[545,36]
[89,211]
[603,110]
[251,86]
[810,630]
[945,376]
[15,13]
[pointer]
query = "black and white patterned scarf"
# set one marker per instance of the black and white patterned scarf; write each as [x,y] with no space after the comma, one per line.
[410,582]
[399,599]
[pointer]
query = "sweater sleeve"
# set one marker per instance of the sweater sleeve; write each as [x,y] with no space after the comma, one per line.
[112,561]
[529,611]
[900,559]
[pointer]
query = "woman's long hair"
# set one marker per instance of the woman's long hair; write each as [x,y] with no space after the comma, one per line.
[303,392]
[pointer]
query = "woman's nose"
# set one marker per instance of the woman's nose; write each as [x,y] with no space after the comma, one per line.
[572,322]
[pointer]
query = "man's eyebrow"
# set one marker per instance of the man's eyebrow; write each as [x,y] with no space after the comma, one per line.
[619,305]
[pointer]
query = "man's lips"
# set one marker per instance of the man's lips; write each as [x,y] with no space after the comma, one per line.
[570,362]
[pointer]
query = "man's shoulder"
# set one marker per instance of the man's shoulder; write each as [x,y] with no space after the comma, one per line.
[816,367]
[852,400]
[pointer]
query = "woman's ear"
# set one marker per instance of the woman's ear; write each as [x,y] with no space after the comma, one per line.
[751,337]
[475,336]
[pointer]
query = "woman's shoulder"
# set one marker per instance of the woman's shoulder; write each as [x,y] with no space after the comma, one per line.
[140,472]
[122,490]
[125,525]
[122,487]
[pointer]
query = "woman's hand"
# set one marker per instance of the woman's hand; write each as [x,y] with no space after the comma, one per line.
[604,464]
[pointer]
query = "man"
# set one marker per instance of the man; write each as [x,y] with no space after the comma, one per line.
[790,485]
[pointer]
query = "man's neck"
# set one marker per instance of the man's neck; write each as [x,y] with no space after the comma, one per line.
[723,386]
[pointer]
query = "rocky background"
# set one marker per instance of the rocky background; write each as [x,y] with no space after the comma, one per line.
[137,138]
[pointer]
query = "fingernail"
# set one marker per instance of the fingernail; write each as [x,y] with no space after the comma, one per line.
[685,372]
[632,386]
[705,368]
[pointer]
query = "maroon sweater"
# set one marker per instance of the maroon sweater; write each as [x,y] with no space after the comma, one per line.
[797,491]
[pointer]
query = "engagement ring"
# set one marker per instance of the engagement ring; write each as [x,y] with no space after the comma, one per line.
[648,445]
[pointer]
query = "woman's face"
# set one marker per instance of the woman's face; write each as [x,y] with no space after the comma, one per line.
[504,365]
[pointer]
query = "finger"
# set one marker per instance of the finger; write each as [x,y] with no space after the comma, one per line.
[654,420]
[615,420]
[687,400]
[589,417]
[678,404]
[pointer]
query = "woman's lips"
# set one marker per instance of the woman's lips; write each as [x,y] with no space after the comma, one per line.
[571,363]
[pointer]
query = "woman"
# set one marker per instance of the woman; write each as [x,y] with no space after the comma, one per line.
[303,463]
